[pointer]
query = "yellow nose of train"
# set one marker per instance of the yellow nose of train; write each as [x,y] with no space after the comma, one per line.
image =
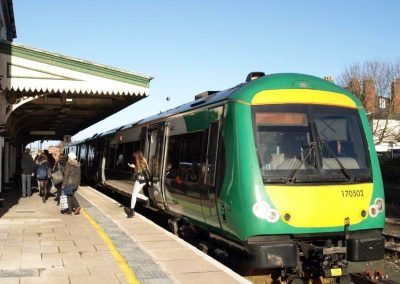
[324,205]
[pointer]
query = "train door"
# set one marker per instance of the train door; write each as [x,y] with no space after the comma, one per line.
[82,158]
[105,149]
[209,199]
[154,154]
[183,179]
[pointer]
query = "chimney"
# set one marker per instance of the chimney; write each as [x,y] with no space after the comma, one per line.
[369,95]
[396,95]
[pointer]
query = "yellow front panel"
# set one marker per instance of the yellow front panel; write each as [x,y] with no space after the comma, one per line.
[321,206]
[302,96]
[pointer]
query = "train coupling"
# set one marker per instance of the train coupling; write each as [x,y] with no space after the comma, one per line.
[323,262]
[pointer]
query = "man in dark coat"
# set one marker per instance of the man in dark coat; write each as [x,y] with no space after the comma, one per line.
[27,168]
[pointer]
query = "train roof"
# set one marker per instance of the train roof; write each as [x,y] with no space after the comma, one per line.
[267,82]
[203,101]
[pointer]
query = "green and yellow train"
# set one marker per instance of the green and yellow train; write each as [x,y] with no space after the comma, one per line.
[281,168]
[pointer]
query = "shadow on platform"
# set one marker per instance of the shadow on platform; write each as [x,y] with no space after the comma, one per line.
[12,194]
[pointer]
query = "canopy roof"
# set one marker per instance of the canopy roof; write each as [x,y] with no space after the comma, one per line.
[49,95]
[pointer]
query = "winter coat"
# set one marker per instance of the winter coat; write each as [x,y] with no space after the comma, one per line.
[72,174]
[27,164]
[143,175]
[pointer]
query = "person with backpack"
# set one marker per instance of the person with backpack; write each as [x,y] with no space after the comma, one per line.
[42,175]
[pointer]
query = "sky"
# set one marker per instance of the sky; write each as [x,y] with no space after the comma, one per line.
[193,46]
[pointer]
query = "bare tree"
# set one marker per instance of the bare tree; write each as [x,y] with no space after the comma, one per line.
[380,75]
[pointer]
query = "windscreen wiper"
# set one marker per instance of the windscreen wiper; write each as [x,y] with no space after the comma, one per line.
[344,170]
[294,172]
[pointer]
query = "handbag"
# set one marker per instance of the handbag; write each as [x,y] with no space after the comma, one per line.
[63,202]
[57,177]
[68,190]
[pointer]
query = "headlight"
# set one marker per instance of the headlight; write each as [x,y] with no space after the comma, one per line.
[373,211]
[376,208]
[263,211]
[379,204]
[260,209]
[272,216]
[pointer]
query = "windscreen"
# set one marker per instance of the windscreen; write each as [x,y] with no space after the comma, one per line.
[310,143]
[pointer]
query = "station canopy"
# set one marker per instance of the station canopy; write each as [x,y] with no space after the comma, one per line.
[47,95]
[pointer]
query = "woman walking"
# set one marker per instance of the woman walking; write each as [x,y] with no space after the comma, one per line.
[142,177]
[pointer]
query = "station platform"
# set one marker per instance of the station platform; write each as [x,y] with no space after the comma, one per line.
[40,245]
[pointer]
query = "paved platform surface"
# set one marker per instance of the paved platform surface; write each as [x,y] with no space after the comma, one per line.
[100,245]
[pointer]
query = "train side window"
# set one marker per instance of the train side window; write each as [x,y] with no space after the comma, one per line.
[119,156]
[82,154]
[184,157]
[91,154]
[111,157]
[127,156]
[212,150]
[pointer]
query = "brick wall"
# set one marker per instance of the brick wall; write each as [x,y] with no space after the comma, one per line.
[396,95]
[369,96]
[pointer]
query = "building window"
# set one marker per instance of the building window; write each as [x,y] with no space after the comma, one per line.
[382,103]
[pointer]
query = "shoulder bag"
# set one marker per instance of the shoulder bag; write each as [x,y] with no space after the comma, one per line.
[57,177]
[68,190]
[63,202]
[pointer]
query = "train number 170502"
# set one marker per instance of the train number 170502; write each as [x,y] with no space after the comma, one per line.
[353,193]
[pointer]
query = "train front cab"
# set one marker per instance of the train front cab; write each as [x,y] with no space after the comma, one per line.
[320,190]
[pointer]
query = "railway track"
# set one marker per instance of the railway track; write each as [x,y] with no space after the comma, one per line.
[392,251]
[371,278]
[392,244]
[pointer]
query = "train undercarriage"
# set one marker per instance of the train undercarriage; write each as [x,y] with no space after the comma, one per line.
[292,259]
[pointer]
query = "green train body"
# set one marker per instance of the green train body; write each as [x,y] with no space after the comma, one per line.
[278,167]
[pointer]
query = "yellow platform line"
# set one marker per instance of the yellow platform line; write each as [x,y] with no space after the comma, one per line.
[124,266]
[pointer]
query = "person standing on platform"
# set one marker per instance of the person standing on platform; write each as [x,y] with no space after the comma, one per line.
[42,175]
[39,153]
[59,166]
[142,178]
[50,158]
[62,160]
[27,169]
[71,182]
